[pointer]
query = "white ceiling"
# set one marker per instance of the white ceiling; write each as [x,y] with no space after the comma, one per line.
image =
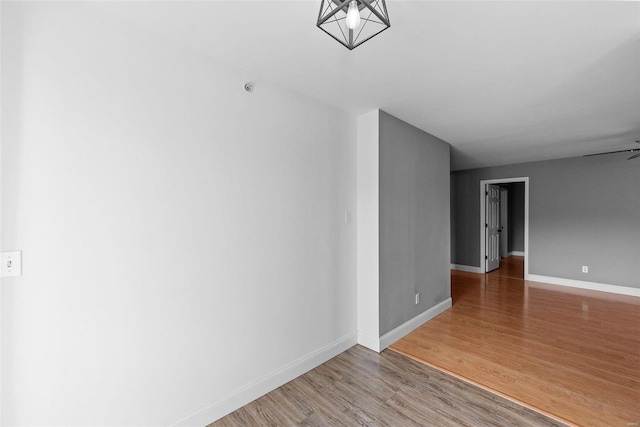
[502,82]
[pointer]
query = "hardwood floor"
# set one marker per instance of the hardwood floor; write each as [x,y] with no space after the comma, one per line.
[361,387]
[512,266]
[573,354]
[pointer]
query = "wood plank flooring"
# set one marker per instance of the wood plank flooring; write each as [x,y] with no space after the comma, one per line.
[570,353]
[362,387]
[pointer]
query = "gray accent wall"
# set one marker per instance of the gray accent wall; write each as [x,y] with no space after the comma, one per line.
[414,221]
[516,217]
[582,211]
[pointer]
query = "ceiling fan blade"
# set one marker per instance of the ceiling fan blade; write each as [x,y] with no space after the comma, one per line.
[610,152]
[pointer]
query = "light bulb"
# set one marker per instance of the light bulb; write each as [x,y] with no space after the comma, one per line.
[353,16]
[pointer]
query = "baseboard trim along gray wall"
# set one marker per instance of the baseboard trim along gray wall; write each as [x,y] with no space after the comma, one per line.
[468,268]
[580,284]
[392,336]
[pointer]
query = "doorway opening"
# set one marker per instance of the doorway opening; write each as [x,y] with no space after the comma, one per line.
[495,230]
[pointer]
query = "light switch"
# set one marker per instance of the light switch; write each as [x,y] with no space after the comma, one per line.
[10,264]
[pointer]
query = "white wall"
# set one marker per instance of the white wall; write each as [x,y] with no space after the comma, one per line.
[368,230]
[181,239]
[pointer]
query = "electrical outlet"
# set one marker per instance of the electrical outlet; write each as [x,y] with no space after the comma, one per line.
[10,264]
[347,217]
[585,268]
[417,299]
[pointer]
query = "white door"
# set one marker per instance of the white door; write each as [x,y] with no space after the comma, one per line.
[492,227]
[504,222]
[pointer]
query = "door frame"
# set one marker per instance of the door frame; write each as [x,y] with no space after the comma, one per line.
[483,243]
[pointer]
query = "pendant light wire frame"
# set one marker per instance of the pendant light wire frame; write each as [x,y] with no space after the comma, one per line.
[332,20]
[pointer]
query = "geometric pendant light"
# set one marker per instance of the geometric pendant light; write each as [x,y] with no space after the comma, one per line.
[353,22]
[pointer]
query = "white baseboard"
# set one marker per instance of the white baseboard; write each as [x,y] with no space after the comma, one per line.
[392,336]
[469,268]
[372,343]
[264,385]
[516,253]
[602,287]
